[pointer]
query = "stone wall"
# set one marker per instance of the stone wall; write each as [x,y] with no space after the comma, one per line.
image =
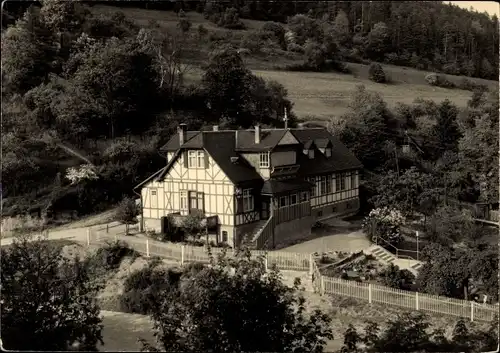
[289,233]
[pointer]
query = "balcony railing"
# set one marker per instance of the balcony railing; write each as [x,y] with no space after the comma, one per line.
[289,213]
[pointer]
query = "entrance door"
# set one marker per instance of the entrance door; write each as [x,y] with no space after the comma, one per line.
[264,212]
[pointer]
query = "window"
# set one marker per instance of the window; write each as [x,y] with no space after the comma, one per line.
[353,180]
[311,154]
[322,185]
[293,199]
[247,200]
[325,185]
[328,152]
[224,236]
[184,200]
[340,182]
[304,196]
[195,201]
[264,160]
[196,159]
[313,190]
[153,192]
[283,201]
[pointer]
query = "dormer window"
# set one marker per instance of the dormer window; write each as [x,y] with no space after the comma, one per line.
[328,152]
[264,160]
[310,153]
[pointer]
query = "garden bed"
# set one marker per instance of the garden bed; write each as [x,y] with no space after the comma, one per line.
[350,266]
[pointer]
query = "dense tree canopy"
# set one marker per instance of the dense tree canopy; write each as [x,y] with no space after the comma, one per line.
[48,301]
[235,306]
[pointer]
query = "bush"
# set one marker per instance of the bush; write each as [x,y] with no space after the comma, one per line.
[111,255]
[469,85]
[376,73]
[296,48]
[395,278]
[278,32]
[144,289]
[230,19]
[437,80]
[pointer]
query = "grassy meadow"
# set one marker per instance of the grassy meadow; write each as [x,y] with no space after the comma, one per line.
[318,96]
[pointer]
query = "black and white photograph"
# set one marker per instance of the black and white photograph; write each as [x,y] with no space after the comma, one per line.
[249,176]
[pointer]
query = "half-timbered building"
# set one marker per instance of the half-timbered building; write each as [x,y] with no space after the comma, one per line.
[262,187]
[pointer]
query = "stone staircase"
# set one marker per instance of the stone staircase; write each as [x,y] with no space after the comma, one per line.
[417,266]
[380,254]
[252,237]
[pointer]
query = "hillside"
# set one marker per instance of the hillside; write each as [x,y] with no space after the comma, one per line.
[316,95]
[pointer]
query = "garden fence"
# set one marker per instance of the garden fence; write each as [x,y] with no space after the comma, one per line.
[321,284]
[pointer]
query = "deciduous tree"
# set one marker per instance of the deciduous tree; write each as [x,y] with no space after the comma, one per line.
[48,302]
[234,305]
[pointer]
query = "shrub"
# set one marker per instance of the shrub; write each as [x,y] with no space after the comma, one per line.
[296,48]
[395,278]
[144,289]
[278,32]
[437,80]
[469,85]
[111,255]
[376,73]
[230,19]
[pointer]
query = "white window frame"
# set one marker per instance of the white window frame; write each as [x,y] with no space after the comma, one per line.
[310,153]
[248,201]
[291,198]
[343,182]
[196,159]
[264,160]
[328,152]
[322,185]
[184,200]
[285,198]
[304,196]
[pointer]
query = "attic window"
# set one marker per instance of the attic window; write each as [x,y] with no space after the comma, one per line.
[310,153]
[264,160]
[328,152]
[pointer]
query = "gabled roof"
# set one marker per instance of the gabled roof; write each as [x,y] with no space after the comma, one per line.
[224,145]
[341,158]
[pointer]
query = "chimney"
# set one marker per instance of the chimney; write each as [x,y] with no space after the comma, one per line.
[182,129]
[215,128]
[257,134]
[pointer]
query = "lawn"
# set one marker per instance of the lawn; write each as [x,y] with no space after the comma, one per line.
[318,97]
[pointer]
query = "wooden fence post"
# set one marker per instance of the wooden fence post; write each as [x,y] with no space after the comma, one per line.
[471,311]
[369,293]
[147,247]
[416,300]
[88,236]
[311,268]
[182,255]
[265,262]
[322,284]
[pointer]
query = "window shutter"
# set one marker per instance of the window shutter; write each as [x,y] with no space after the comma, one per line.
[185,156]
[205,155]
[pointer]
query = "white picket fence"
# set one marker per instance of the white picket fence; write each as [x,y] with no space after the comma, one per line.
[321,284]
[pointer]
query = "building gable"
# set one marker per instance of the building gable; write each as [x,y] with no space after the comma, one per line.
[179,170]
[288,139]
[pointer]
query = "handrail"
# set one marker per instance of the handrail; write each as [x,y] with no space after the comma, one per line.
[397,254]
[259,233]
